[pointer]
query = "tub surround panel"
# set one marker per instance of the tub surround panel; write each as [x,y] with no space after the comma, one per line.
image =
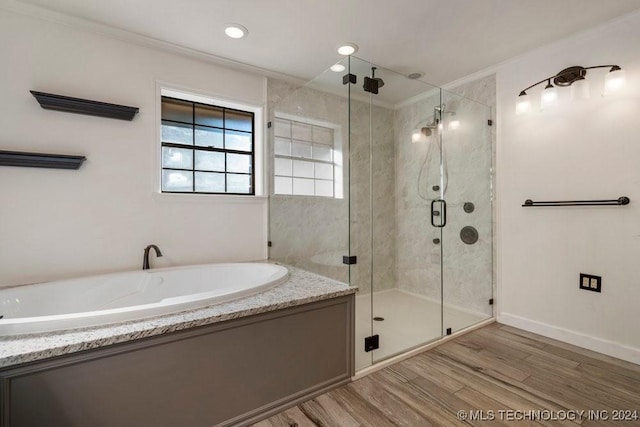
[227,374]
[302,287]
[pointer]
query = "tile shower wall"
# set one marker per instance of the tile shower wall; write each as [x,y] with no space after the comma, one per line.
[313,232]
[467,269]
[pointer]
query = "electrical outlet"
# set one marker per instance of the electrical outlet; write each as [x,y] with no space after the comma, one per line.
[584,280]
[590,282]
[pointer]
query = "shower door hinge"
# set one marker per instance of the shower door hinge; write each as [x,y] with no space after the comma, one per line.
[349,260]
[448,331]
[491,301]
[371,343]
[349,78]
[269,243]
[490,122]
[269,124]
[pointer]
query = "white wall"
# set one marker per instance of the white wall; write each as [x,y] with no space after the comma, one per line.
[56,223]
[588,151]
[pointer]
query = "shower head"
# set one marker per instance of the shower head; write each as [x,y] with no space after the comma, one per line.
[428,129]
[433,124]
[421,134]
[373,83]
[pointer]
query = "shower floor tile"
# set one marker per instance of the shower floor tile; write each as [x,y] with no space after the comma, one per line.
[409,321]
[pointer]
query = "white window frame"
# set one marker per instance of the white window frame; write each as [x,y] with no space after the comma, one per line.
[338,162]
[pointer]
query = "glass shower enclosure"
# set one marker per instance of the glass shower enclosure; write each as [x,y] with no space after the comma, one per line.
[384,182]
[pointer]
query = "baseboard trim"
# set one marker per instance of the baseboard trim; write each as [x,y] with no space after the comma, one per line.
[610,348]
[399,358]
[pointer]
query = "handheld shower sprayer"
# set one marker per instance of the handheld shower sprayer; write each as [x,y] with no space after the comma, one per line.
[433,127]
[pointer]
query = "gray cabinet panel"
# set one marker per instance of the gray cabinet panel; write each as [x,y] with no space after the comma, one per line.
[221,374]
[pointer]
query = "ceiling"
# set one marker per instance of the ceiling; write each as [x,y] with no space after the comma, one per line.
[444,40]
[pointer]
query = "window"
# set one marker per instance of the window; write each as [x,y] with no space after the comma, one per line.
[207,148]
[307,161]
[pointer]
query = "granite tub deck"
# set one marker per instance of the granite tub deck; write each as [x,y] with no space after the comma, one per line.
[302,287]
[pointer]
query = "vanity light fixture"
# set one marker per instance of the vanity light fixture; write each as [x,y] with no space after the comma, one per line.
[549,95]
[572,76]
[236,31]
[347,49]
[615,80]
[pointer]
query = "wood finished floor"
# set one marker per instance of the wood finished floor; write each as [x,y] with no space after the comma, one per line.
[497,368]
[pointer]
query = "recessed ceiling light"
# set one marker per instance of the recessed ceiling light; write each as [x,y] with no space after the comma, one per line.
[337,68]
[235,31]
[348,49]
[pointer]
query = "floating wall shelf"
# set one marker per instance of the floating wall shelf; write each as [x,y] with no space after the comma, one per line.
[40,160]
[50,101]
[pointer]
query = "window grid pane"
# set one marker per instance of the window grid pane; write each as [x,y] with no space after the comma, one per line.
[219,135]
[303,159]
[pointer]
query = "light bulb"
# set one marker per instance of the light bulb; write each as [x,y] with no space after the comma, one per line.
[580,90]
[614,81]
[418,136]
[235,31]
[348,49]
[336,68]
[523,103]
[549,96]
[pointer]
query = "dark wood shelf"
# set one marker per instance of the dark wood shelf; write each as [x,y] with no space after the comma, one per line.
[68,104]
[40,160]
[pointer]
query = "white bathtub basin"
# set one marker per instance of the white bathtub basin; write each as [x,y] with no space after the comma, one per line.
[114,298]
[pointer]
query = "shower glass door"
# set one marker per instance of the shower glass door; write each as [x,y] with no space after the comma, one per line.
[394,174]
[407,297]
[398,264]
[467,238]
[420,211]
